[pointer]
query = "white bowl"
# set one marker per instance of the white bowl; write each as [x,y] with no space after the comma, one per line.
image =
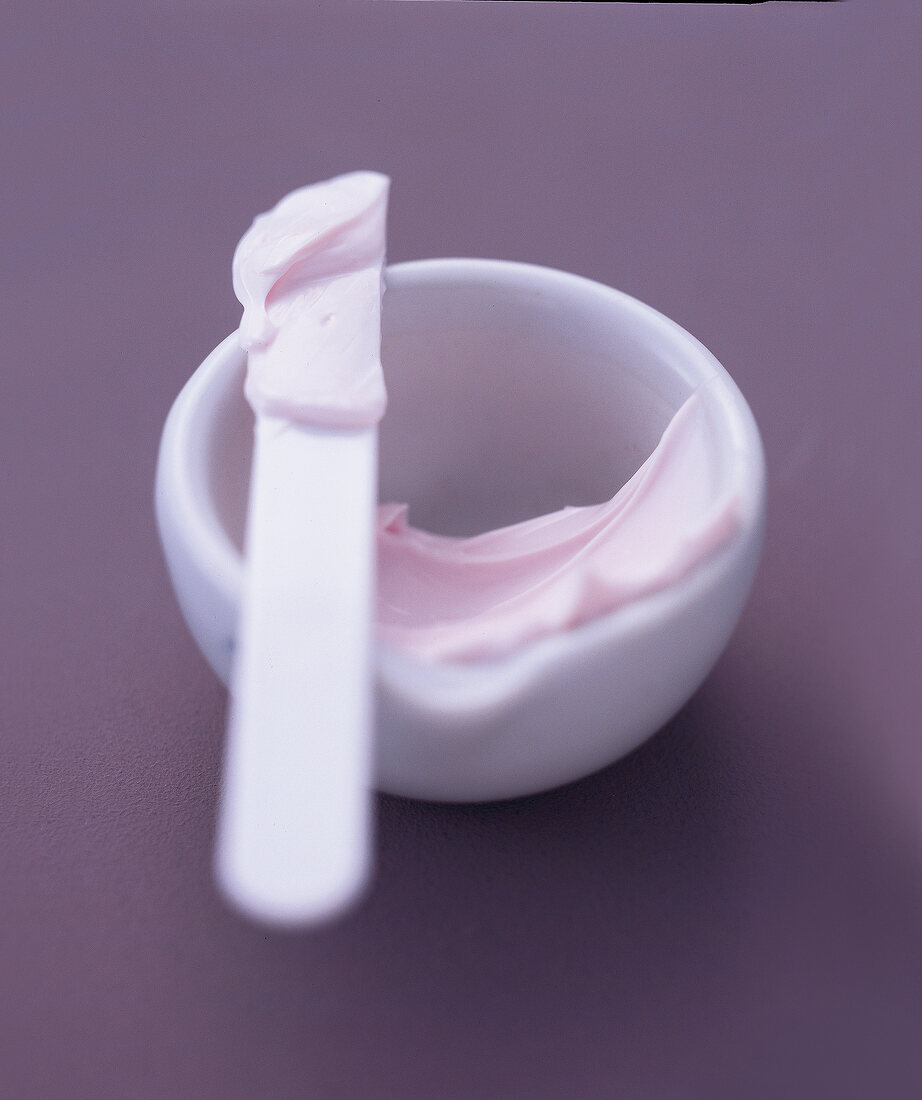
[513,390]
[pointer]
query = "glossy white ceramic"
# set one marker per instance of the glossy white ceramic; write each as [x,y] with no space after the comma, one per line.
[513,390]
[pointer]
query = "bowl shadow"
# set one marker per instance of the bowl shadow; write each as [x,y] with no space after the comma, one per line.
[640,929]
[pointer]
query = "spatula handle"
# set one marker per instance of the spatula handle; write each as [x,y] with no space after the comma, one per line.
[294,825]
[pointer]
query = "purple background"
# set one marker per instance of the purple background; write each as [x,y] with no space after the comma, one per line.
[733,911]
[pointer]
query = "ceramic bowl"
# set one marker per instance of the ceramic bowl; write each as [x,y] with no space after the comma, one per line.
[513,390]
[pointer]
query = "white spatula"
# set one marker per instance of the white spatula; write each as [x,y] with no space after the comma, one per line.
[294,826]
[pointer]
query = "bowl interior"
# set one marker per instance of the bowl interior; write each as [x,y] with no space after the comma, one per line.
[512,392]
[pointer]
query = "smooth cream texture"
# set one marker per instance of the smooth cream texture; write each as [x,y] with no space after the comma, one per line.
[462,599]
[308,273]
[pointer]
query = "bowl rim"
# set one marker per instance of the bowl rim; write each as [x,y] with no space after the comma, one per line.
[456,689]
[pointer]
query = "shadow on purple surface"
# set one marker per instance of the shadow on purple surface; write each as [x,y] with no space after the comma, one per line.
[724,910]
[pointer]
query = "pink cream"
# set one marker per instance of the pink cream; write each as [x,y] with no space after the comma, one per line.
[308,274]
[465,599]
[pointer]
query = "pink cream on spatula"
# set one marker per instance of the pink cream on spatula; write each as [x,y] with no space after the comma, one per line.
[294,827]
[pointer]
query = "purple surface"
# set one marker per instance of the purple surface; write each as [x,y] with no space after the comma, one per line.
[736,909]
